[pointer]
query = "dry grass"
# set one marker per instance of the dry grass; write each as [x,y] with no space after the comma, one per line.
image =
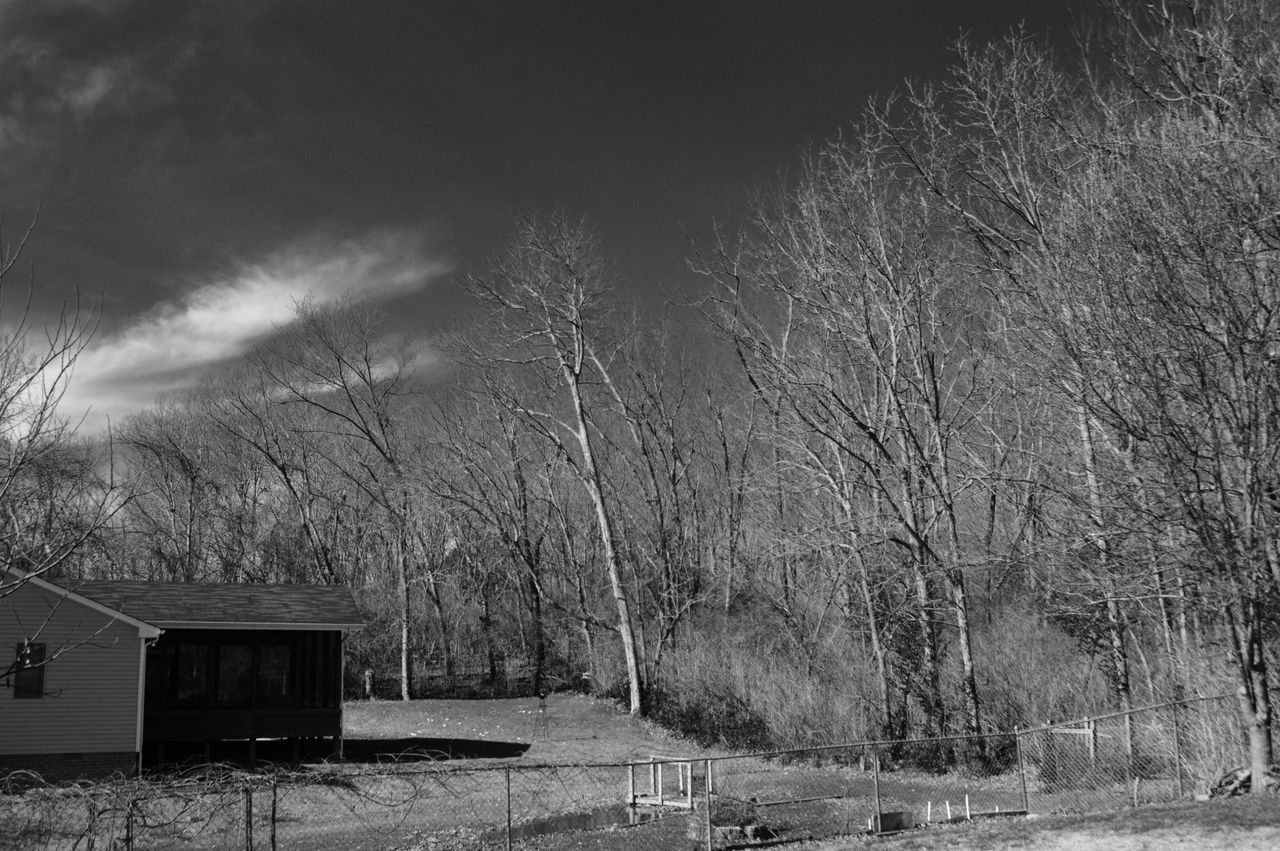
[1241,823]
[573,729]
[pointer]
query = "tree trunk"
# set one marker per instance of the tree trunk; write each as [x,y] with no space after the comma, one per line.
[930,689]
[402,588]
[539,639]
[1252,694]
[591,477]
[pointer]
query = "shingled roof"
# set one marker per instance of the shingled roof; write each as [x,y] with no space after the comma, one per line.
[191,605]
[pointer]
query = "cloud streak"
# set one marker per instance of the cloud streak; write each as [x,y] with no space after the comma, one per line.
[172,346]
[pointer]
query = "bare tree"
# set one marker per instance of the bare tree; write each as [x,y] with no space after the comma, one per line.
[548,297]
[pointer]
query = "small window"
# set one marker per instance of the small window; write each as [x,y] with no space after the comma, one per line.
[192,679]
[235,674]
[28,673]
[273,675]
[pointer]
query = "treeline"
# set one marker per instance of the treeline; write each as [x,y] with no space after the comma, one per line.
[973,422]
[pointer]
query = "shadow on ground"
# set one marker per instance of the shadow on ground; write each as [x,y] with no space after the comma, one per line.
[415,749]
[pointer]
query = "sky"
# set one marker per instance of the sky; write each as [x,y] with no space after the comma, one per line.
[198,168]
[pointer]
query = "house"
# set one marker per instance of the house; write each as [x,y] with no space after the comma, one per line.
[109,676]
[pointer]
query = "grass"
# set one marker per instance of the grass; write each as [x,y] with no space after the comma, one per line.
[574,729]
[1237,823]
[572,768]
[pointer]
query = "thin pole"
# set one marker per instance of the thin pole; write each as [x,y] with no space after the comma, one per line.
[1177,751]
[875,780]
[1022,769]
[706,796]
[275,790]
[248,818]
[508,773]
[1129,761]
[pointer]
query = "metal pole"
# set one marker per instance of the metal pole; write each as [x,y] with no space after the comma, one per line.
[275,788]
[1022,769]
[508,774]
[706,796]
[248,818]
[1177,751]
[875,780]
[1130,769]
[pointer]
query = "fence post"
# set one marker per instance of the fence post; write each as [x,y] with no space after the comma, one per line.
[1022,768]
[508,774]
[875,782]
[1130,768]
[706,795]
[275,787]
[1177,750]
[248,818]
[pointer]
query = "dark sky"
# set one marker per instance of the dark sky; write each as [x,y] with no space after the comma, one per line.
[201,166]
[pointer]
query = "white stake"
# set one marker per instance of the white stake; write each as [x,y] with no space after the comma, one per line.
[966,807]
[948,803]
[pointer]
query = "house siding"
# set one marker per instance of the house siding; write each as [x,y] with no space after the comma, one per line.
[61,767]
[91,680]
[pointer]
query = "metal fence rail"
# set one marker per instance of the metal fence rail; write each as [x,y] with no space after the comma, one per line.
[1153,754]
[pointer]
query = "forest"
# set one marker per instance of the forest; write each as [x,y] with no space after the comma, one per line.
[972,422]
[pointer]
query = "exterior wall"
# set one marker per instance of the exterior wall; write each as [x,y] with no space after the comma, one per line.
[91,680]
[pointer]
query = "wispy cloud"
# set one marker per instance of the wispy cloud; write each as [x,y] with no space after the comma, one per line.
[174,344]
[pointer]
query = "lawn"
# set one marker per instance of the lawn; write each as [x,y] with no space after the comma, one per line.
[572,729]
[579,730]
[1239,823]
[568,792]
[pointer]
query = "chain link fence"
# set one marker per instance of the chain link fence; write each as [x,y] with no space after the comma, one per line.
[1160,753]
[1150,755]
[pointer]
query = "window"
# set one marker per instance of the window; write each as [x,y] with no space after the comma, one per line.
[273,675]
[28,673]
[192,675]
[235,674]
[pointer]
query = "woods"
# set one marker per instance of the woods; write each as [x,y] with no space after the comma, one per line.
[972,422]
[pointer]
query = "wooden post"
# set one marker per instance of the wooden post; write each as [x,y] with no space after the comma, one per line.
[508,773]
[631,784]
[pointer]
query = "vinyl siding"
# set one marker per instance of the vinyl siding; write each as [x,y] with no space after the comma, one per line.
[91,678]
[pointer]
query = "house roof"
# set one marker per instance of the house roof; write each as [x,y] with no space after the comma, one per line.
[190,605]
[11,579]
